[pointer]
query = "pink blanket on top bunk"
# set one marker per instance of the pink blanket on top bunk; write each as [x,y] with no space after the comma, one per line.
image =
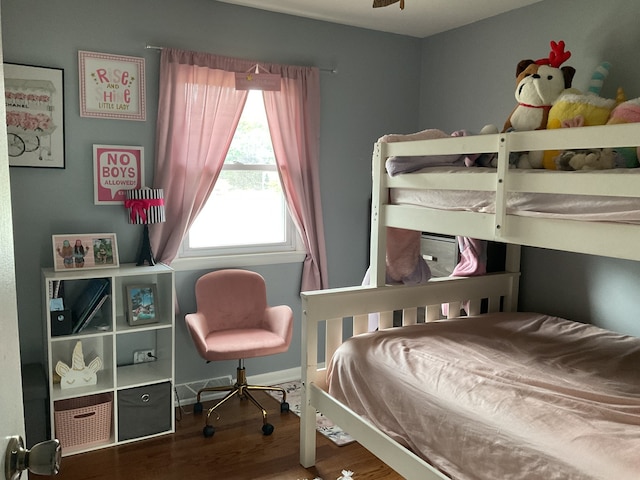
[398,165]
[501,396]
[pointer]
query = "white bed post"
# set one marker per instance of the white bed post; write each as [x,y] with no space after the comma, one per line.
[309,372]
[512,260]
[512,265]
[501,186]
[378,249]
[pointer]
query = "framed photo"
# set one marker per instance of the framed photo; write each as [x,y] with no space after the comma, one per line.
[116,169]
[85,250]
[141,304]
[111,86]
[34,98]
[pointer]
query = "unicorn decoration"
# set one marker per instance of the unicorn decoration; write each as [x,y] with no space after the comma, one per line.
[79,374]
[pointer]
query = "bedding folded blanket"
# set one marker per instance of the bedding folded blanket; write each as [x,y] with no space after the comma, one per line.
[473,262]
[473,257]
[398,165]
[404,263]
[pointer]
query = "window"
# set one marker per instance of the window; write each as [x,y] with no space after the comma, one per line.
[246,211]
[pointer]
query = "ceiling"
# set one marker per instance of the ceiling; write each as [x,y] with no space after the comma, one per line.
[420,18]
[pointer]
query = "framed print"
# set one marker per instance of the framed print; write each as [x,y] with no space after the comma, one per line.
[116,169]
[111,86]
[141,304]
[85,250]
[34,99]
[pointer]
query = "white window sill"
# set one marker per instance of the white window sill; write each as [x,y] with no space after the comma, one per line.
[230,261]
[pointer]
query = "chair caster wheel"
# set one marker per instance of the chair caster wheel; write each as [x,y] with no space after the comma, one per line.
[208,431]
[267,429]
[197,407]
[284,407]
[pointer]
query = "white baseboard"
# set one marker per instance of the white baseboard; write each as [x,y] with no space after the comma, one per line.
[186,392]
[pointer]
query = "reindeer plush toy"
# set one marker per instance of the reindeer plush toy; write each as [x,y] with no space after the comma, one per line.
[539,83]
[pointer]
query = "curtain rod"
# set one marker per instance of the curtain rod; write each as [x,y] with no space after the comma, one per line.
[325,70]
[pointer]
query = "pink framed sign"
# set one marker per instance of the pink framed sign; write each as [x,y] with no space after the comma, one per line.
[116,169]
[111,86]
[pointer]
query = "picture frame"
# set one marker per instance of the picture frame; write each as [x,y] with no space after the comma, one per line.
[116,169]
[142,306]
[34,99]
[112,86]
[84,251]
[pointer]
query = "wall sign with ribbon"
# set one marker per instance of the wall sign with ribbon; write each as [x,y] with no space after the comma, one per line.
[258,78]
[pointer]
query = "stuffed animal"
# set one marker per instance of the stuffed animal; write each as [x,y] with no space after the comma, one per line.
[575,109]
[627,112]
[538,85]
[594,159]
[591,109]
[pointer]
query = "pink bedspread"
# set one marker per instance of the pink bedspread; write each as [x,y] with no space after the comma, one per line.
[501,396]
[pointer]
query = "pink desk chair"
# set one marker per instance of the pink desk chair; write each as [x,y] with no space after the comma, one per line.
[233,321]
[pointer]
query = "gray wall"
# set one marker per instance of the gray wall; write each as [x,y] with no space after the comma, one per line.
[385,84]
[468,81]
[360,103]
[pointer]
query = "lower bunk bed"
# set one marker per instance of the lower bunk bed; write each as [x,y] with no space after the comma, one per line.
[487,396]
[497,393]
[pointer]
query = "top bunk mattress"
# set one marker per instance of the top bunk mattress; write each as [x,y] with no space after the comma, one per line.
[518,396]
[549,205]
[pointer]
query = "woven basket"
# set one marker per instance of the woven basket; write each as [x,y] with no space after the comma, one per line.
[84,421]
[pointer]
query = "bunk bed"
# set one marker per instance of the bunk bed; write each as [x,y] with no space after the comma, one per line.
[336,320]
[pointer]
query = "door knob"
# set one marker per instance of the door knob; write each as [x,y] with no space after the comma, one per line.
[43,458]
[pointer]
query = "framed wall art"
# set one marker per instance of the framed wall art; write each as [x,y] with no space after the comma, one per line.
[111,86]
[116,169]
[84,250]
[141,304]
[34,99]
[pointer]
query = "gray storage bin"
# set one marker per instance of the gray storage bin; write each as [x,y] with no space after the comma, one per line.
[144,411]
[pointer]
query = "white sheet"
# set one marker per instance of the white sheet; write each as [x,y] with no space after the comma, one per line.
[571,207]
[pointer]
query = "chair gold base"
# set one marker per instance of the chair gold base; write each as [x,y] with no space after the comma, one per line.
[243,390]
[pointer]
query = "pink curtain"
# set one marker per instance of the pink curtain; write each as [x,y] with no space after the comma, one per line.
[198,112]
[293,114]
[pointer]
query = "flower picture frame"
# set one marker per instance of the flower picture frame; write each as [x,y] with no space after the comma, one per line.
[34,99]
[84,251]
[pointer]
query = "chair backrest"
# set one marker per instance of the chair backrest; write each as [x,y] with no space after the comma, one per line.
[232,299]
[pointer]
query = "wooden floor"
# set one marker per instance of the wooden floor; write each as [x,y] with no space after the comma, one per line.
[238,450]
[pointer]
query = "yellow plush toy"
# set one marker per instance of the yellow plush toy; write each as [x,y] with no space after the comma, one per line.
[571,109]
[575,109]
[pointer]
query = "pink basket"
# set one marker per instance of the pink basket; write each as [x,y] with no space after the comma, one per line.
[84,421]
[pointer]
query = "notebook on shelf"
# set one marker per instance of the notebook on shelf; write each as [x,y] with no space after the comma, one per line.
[89,302]
[92,314]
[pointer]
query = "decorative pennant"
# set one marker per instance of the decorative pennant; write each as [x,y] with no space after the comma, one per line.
[254,80]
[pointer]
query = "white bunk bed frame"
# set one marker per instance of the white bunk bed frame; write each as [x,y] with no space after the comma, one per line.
[331,315]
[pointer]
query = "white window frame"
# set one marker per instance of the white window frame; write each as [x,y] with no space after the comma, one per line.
[290,251]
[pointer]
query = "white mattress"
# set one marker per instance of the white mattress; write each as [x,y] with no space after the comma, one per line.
[570,207]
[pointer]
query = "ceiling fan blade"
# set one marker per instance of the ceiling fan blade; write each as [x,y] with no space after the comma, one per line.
[386,3]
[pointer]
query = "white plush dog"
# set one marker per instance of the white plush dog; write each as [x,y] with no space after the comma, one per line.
[538,84]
